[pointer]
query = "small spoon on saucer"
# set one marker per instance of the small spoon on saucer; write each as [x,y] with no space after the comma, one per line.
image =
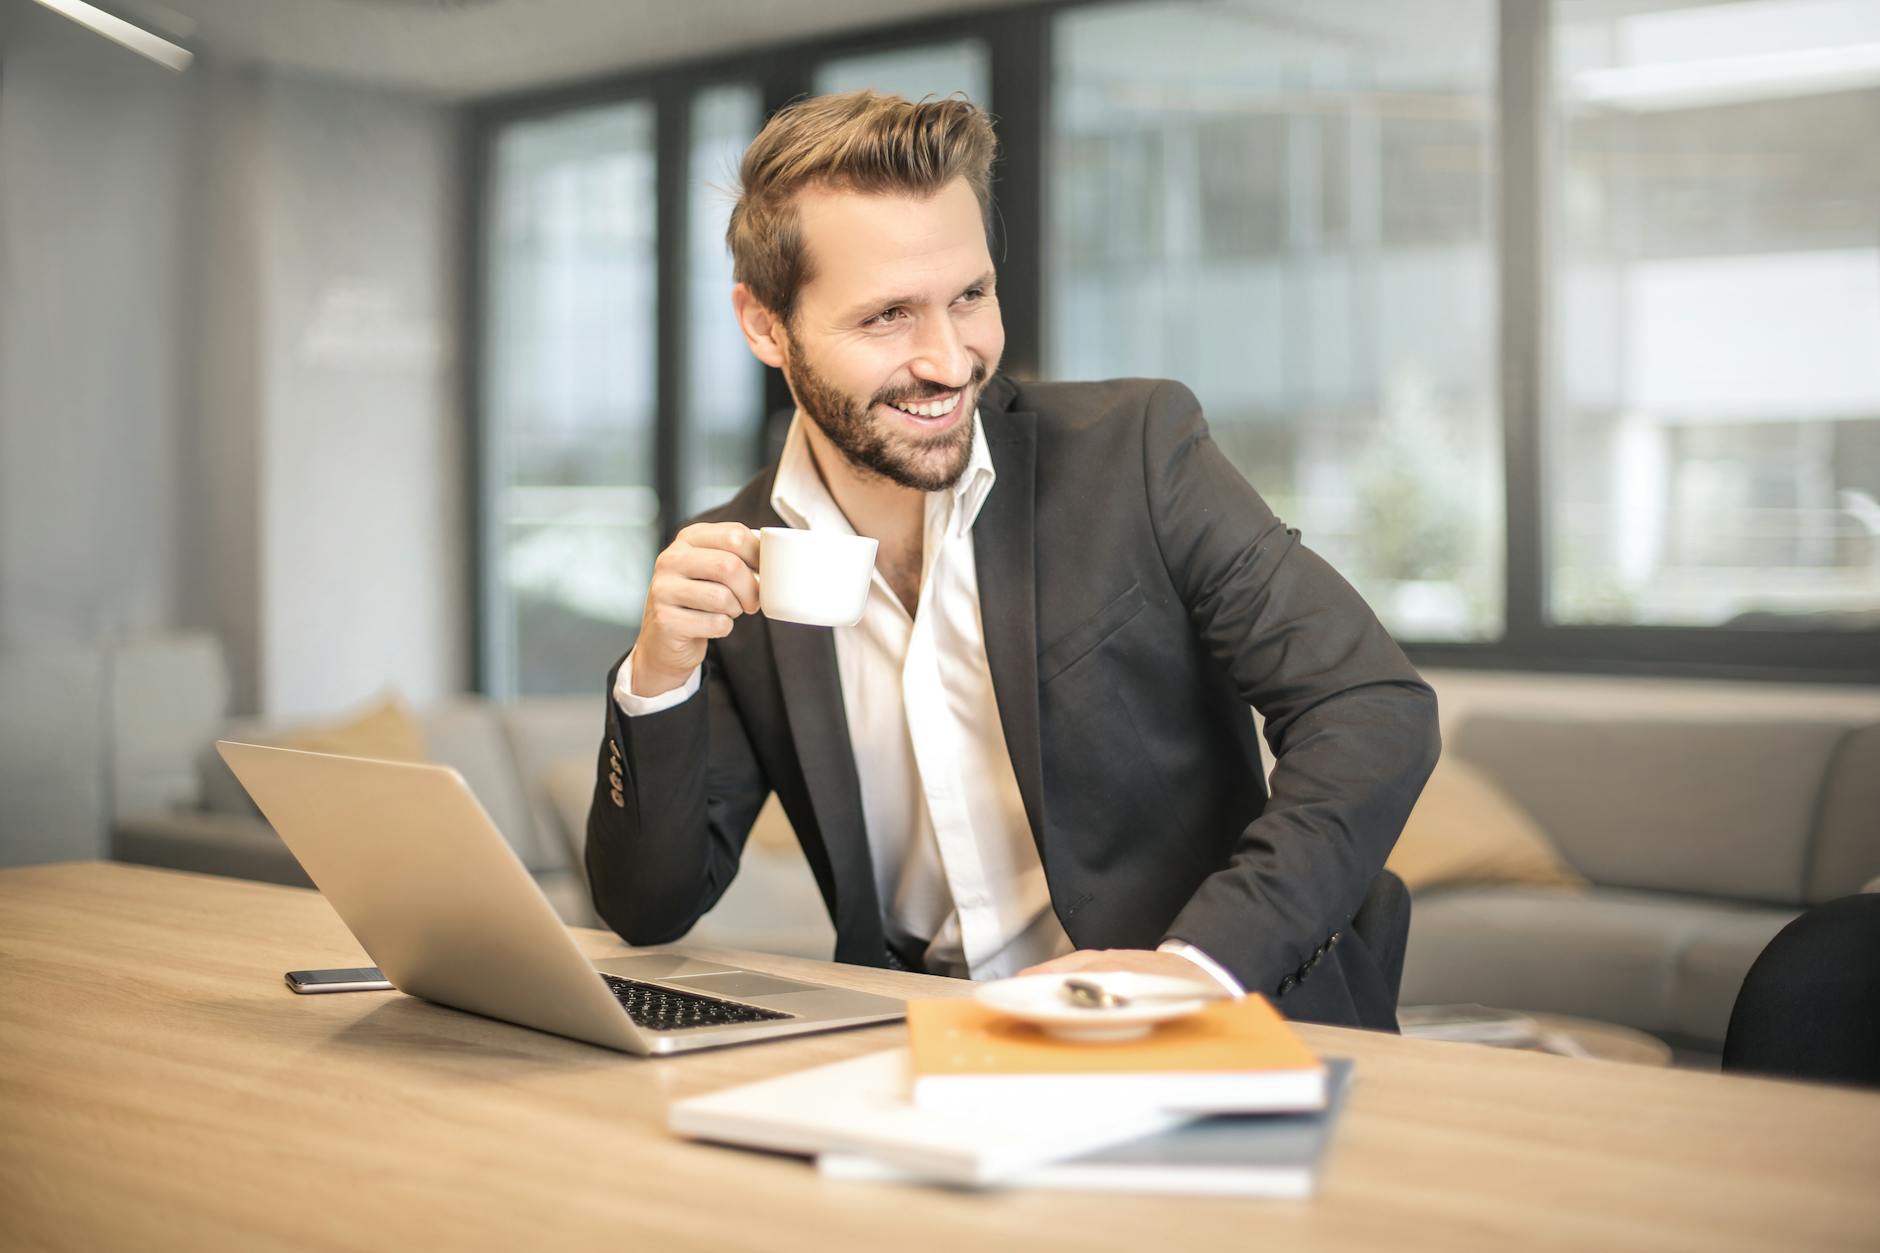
[1088,994]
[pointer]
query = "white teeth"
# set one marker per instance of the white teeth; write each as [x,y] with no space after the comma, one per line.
[938,408]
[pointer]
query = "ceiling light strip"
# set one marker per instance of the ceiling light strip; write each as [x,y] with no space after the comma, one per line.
[119,31]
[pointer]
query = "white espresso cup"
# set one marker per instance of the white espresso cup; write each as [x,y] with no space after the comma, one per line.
[816,579]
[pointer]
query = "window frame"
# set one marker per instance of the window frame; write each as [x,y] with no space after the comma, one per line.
[1018,40]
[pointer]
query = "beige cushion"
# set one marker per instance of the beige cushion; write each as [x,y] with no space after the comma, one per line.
[1464,829]
[1723,806]
[385,729]
[772,831]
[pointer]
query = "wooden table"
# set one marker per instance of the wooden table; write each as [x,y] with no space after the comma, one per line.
[161,1089]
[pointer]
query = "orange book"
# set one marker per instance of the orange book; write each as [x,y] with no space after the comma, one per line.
[1231,1057]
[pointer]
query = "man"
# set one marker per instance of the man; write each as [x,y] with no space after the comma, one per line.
[1035,749]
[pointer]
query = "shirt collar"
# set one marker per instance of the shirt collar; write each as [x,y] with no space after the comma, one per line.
[802,499]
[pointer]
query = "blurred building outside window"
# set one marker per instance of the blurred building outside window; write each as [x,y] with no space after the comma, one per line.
[570,511]
[1713,447]
[1288,207]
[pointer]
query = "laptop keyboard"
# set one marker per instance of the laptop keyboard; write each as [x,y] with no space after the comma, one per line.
[664,1009]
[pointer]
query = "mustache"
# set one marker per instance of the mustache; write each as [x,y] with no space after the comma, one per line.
[920,395]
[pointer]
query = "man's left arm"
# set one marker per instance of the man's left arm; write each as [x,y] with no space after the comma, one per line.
[1351,725]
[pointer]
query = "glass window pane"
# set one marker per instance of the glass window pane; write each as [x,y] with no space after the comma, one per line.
[724,391]
[571,518]
[1286,206]
[913,73]
[1714,441]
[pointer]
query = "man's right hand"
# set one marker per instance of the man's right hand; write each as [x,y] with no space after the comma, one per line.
[701,583]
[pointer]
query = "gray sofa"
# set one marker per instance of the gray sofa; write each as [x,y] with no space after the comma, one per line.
[530,762]
[1706,817]
[1701,838]
[512,756]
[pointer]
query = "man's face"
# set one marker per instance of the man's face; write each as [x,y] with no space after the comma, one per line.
[897,331]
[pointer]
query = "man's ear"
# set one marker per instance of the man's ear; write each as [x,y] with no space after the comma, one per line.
[763,330]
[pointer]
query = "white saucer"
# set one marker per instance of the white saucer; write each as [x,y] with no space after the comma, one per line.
[1039,999]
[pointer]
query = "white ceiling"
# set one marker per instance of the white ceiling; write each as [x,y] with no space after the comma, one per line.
[463,48]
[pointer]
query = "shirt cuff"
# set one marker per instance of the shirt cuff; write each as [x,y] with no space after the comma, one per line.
[639,706]
[1213,969]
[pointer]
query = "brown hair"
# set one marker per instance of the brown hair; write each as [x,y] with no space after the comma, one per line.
[856,141]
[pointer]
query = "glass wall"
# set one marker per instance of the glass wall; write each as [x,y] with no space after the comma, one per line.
[1714,447]
[1291,207]
[1287,206]
[723,408]
[569,510]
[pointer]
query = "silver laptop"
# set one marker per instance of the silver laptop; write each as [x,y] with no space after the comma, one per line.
[414,866]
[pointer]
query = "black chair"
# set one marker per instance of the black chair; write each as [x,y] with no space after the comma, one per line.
[1383,923]
[1810,1005]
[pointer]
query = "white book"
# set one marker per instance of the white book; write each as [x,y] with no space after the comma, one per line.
[862,1107]
[1266,1155]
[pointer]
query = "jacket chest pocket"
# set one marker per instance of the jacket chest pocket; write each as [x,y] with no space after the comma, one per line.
[1083,639]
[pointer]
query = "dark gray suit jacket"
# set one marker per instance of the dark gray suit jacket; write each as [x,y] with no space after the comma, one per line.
[1137,597]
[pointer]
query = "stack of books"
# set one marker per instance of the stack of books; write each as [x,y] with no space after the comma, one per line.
[1227,1101]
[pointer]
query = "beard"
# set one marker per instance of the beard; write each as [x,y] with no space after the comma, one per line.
[927,465]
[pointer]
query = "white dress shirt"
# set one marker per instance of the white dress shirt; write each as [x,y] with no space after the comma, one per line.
[956,868]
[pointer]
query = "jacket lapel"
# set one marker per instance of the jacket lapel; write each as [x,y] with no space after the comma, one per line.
[1004,550]
[805,658]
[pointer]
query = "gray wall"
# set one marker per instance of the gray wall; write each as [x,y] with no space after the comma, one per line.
[361,456]
[93,144]
[227,398]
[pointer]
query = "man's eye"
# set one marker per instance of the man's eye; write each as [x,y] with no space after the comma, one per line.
[885,317]
[973,293]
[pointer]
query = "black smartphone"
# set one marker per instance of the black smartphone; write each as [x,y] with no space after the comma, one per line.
[350,979]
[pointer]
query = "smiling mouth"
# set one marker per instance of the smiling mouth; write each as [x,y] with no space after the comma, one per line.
[929,410]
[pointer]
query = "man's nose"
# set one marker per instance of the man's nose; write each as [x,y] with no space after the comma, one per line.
[940,355]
